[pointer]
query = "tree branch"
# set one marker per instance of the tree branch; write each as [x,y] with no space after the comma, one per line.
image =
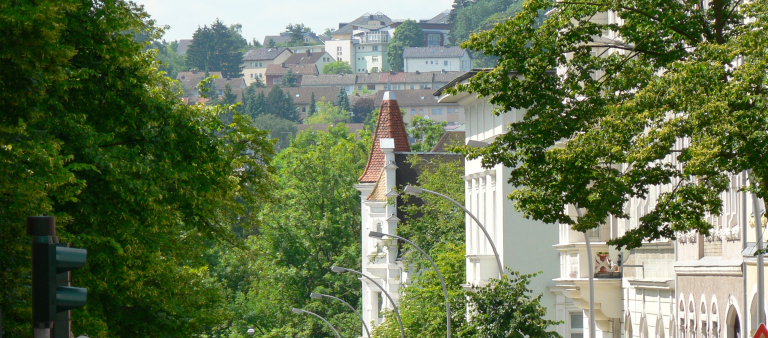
[676,30]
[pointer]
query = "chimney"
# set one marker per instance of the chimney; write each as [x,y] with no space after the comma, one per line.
[283,64]
[443,71]
[391,72]
[418,72]
[308,52]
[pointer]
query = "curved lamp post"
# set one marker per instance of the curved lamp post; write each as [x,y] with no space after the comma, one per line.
[339,269]
[315,295]
[300,311]
[415,191]
[591,275]
[379,235]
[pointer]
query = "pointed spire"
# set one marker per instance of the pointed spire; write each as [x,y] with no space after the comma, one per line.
[389,125]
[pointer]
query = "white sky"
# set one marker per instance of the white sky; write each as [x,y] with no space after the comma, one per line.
[269,17]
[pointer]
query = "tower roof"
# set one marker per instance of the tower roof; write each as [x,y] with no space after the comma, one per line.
[389,125]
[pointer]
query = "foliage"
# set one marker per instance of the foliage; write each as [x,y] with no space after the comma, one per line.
[253,104]
[372,119]
[505,308]
[170,61]
[139,179]
[312,225]
[279,129]
[362,108]
[427,133]
[677,106]
[270,43]
[437,226]
[407,34]
[422,303]
[328,32]
[217,48]
[296,33]
[328,113]
[289,79]
[228,97]
[342,100]
[312,105]
[281,104]
[337,67]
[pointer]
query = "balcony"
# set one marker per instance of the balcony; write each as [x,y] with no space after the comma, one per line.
[574,279]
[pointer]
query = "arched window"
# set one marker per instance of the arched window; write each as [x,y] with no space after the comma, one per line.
[703,319]
[691,318]
[733,323]
[714,320]
[681,317]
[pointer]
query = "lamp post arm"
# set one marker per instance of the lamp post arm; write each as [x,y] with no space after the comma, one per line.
[397,312]
[326,322]
[354,310]
[495,252]
[442,281]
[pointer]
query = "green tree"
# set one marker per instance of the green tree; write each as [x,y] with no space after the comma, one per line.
[625,115]
[171,62]
[362,108]
[270,43]
[296,33]
[408,34]
[253,104]
[312,105]
[426,132]
[139,179]
[310,227]
[342,100]
[228,97]
[280,104]
[289,79]
[279,129]
[337,67]
[328,113]
[505,308]
[217,48]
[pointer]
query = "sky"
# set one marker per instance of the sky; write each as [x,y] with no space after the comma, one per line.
[269,17]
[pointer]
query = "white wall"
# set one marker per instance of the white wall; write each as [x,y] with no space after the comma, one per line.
[348,52]
[437,64]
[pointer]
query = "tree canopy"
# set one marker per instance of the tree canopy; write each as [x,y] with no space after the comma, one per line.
[337,67]
[217,48]
[328,113]
[407,34]
[280,104]
[93,133]
[674,103]
[426,132]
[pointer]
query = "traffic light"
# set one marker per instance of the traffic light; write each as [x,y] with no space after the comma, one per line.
[48,260]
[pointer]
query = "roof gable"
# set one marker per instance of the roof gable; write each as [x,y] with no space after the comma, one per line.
[389,125]
[264,53]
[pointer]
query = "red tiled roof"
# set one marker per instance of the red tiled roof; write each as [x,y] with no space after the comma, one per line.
[389,125]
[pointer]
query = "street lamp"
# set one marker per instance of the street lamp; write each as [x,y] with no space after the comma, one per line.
[416,191]
[339,269]
[320,295]
[300,311]
[379,235]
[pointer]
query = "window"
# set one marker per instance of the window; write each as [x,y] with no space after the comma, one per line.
[260,64]
[303,109]
[426,62]
[359,87]
[221,92]
[372,87]
[251,75]
[375,48]
[276,81]
[413,111]
[437,111]
[421,111]
[445,63]
[338,51]
[380,306]
[433,39]
[375,59]
[577,325]
[449,111]
[251,64]
[430,62]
